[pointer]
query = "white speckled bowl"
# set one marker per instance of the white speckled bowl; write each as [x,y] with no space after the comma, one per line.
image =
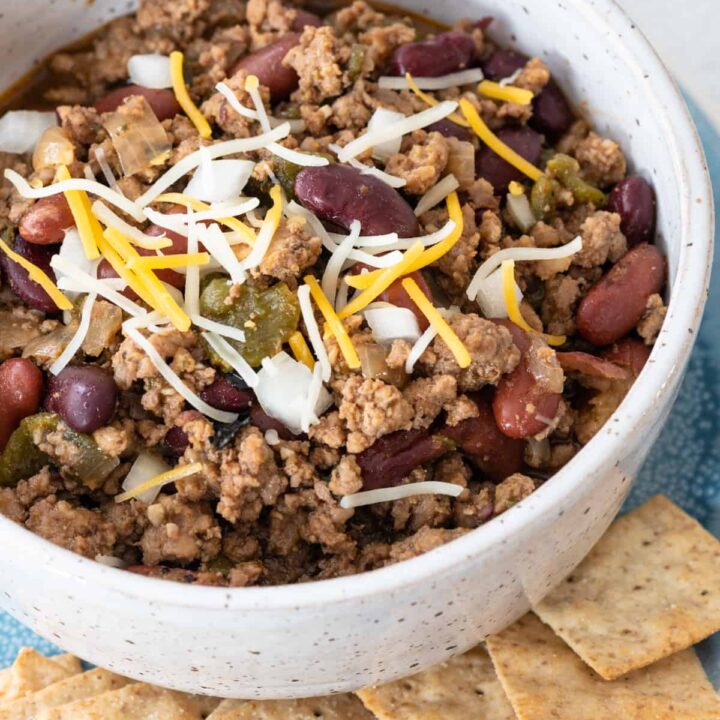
[341,634]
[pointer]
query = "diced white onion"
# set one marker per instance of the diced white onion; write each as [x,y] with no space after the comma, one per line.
[519,208]
[392,323]
[371,497]
[490,296]
[442,82]
[108,218]
[381,118]
[419,348]
[218,328]
[146,467]
[272,437]
[520,254]
[212,238]
[88,172]
[397,129]
[172,378]
[150,71]
[77,339]
[341,299]
[313,331]
[73,250]
[337,259]
[316,387]
[218,181]
[232,357]
[436,194]
[21,129]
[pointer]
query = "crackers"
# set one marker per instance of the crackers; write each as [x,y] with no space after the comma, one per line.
[332,707]
[463,687]
[545,679]
[649,588]
[32,671]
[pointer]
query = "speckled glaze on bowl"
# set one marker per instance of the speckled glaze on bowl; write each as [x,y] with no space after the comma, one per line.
[338,635]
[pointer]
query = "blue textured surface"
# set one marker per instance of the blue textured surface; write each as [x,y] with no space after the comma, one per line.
[685,463]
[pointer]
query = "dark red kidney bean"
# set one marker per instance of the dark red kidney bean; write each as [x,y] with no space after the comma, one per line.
[617,301]
[175,443]
[503,63]
[223,395]
[341,194]
[489,165]
[628,352]
[634,200]
[19,280]
[265,422]
[303,18]
[591,365]
[84,396]
[397,295]
[266,65]
[480,439]
[484,23]
[163,102]
[45,222]
[445,53]
[447,128]
[21,385]
[391,458]
[552,115]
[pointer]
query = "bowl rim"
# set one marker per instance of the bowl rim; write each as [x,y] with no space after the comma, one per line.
[654,385]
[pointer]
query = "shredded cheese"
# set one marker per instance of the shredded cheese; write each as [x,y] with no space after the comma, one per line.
[37,275]
[313,331]
[339,256]
[506,93]
[77,339]
[183,97]
[436,194]
[108,218]
[191,297]
[516,188]
[388,494]
[495,144]
[232,357]
[165,262]
[212,238]
[300,349]
[87,224]
[334,321]
[432,102]
[181,471]
[105,168]
[416,351]
[218,328]
[442,82]
[507,270]
[459,351]
[267,231]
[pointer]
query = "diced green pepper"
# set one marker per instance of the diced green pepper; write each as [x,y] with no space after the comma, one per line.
[21,458]
[356,61]
[567,171]
[543,197]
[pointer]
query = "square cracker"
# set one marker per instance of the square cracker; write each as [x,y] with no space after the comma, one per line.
[31,672]
[332,707]
[546,680]
[650,587]
[465,686]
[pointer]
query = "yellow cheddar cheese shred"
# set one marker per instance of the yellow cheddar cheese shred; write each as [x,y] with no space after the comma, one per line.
[436,320]
[183,97]
[300,349]
[334,322]
[506,93]
[516,188]
[164,262]
[177,473]
[495,144]
[430,100]
[87,224]
[39,276]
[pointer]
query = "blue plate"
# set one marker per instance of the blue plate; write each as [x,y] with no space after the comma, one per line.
[684,464]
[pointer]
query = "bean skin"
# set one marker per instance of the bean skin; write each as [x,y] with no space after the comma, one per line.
[591,365]
[265,422]
[19,280]
[175,442]
[223,395]
[447,128]
[634,200]
[552,115]
[630,353]
[21,385]
[446,53]
[617,301]
[503,63]
[266,65]
[341,194]
[45,222]
[162,102]
[303,18]
[489,165]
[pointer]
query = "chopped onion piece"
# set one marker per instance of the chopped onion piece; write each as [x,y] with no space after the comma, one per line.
[313,331]
[53,149]
[232,357]
[419,348]
[313,397]
[176,473]
[443,82]
[146,466]
[73,251]
[212,238]
[218,328]
[436,194]
[490,296]
[335,264]
[150,71]
[381,118]
[218,181]
[77,339]
[20,130]
[272,437]
[392,323]
[519,208]
[371,497]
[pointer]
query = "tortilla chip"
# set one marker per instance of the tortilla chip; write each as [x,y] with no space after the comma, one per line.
[650,587]
[332,707]
[464,687]
[545,679]
[71,663]
[132,701]
[31,672]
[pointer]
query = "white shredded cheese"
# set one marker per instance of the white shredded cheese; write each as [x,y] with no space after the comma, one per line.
[442,82]
[313,331]
[293,208]
[218,180]
[218,328]
[371,497]
[232,357]
[77,339]
[419,348]
[191,298]
[146,466]
[105,168]
[510,79]
[381,118]
[272,437]
[337,259]
[392,180]
[212,238]
[436,194]
[341,299]
[313,396]
[108,218]
[262,243]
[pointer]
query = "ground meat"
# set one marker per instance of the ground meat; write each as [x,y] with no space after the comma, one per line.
[601,160]
[351,110]
[534,76]
[421,542]
[459,409]
[114,440]
[421,162]
[602,240]
[398,354]
[491,230]
[511,491]
[571,139]
[218,110]
[358,16]
[652,320]
[83,124]
[427,396]
[293,249]
[490,346]
[475,509]
[329,431]
[562,294]
[176,19]
[346,478]
[381,40]
[481,195]
[596,411]
[10,506]
[270,15]
[413,513]
[189,532]
[371,409]
[18,327]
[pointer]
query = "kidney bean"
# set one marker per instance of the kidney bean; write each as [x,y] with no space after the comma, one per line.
[21,384]
[628,352]
[445,53]
[489,165]
[503,63]
[496,454]
[265,422]
[175,443]
[392,457]
[84,396]
[162,102]
[617,301]
[447,128]
[304,18]
[223,395]
[552,115]
[634,200]
[19,280]
[397,295]
[267,65]
[45,222]
[587,364]
[484,23]
[341,194]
